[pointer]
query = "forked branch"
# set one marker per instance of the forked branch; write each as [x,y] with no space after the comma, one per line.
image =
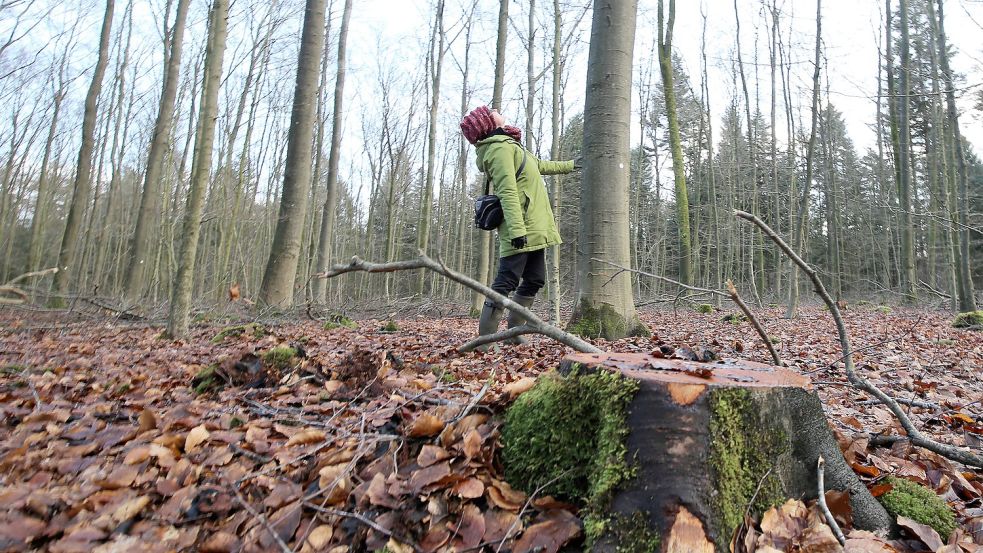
[915,436]
[534,325]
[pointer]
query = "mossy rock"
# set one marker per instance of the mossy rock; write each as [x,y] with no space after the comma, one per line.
[338,320]
[604,322]
[583,457]
[912,500]
[254,330]
[704,308]
[280,357]
[969,319]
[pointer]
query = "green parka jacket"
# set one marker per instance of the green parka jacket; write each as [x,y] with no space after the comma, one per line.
[525,203]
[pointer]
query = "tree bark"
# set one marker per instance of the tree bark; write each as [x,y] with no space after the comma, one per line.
[802,221]
[426,201]
[330,201]
[745,436]
[967,299]
[678,165]
[277,289]
[180,308]
[605,306]
[905,190]
[83,172]
[147,217]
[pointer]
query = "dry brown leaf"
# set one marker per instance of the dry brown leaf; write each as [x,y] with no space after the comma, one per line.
[469,488]
[558,528]
[425,426]
[221,542]
[430,454]
[518,387]
[196,437]
[147,420]
[137,455]
[472,445]
[470,528]
[378,495]
[335,479]
[130,509]
[505,497]
[304,437]
[318,539]
[924,532]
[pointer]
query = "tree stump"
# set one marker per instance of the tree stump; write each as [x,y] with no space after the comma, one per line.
[706,443]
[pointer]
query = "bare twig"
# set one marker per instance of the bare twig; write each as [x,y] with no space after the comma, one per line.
[423,262]
[364,520]
[914,434]
[49,271]
[736,298]
[262,520]
[731,293]
[820,473]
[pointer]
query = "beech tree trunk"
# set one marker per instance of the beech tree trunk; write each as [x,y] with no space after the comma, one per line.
[905,190]
[710,439]
[678,164]
[605,306]
[180,308]
[330,201]
[281,268]
[147,217]
[426,202]
[83,170]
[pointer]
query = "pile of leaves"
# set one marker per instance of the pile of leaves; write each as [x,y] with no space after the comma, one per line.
[364,439]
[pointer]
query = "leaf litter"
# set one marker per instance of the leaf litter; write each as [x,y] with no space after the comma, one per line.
[365,440]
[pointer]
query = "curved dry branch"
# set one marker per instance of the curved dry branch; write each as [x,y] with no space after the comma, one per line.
[915,436]
[534,325]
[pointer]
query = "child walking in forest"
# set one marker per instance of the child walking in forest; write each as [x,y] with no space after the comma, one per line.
[528,227]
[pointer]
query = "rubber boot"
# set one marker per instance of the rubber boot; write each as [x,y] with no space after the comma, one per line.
[516,319]
[488,322]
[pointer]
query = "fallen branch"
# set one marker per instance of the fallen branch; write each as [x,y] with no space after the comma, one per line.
[820,474]
[915,436]
[22,296]
[364,520]
[732,294]
[534,325]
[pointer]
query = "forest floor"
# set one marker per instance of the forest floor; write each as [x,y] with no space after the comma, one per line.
[361,439]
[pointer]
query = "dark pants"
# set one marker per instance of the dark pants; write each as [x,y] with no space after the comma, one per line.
[529,266]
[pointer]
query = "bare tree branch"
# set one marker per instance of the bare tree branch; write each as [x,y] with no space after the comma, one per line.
[914,435]
[534,325]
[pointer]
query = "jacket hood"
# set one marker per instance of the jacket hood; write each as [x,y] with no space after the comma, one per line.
[482,144]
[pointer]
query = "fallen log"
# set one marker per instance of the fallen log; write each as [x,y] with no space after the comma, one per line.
[702,445]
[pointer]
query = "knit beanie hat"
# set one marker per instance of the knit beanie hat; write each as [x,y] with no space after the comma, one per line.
[514,132]
[477,124]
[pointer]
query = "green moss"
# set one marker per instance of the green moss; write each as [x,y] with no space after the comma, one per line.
[743,449]
[970,319]
[390,326]
[633,534]
[11,370]
[704,308]
[206,380]
[567,435]
[884,309]
[337,320]
[254,330]
[280,357]
[236,422]
[604,322]
[734,318]
[912,500]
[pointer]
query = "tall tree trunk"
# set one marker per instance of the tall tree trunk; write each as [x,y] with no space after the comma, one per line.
[328,213]
[967,299]
[39,218]
[675,145]
[180,308]
[134,283]
[281,269]
[554,258]
[802,221]
[905,190]
[605,306]
[485,246]
[426,201]
[83,171]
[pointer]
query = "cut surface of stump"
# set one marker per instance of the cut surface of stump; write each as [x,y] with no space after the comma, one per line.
[706,443]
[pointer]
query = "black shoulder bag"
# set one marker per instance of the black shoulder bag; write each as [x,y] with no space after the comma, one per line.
[488,214]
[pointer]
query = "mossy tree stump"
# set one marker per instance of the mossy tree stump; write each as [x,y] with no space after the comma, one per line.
[705,443]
